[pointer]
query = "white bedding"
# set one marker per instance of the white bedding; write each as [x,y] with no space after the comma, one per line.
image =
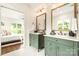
[10,38]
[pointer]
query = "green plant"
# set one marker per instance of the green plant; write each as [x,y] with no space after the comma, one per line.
[66,26]
[60,26]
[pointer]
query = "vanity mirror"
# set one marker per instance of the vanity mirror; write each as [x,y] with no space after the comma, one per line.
[62,18]
[41,23]
[77,13]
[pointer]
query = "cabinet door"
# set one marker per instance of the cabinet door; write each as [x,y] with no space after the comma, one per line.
[30,39]
[65,47]
[76,48]
[50,47]
[64,50]
[34,40]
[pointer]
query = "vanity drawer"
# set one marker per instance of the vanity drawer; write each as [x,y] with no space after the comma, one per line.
[66,42]
[51,38]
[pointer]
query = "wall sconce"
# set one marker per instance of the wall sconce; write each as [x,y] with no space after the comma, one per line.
[33,23]
[41,10]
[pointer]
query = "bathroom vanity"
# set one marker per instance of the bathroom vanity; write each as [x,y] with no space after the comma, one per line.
[57,45]
[36,40]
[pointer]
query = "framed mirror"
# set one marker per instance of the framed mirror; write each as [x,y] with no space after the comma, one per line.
[62,17]
[41,22]
[77,12]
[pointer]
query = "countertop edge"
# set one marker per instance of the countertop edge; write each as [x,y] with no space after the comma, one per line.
[65,37]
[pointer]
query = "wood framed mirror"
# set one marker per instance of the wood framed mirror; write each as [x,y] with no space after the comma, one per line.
[77,16]
[41,22]
[62,17]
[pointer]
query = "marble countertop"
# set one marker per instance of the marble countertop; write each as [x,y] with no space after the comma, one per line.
[64,37]
[35,33]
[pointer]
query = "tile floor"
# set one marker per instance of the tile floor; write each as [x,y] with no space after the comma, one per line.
[28,51]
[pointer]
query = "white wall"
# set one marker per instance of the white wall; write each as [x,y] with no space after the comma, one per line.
[48,8]
[29,11]
[48,15]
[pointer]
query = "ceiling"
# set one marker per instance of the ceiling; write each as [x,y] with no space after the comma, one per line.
[34,5]
[37,5]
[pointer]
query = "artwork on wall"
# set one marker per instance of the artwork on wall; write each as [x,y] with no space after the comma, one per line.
[41,22]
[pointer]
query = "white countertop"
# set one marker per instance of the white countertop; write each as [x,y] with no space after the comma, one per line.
[64,37]
[35,33]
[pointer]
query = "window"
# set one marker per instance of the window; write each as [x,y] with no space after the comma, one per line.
[11,22]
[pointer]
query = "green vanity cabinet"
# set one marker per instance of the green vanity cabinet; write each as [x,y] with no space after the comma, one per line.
[76,48]
[72,47]
[36,40]
[65,42]
[64,50]
[61,47]
[65,47]
[50,45]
